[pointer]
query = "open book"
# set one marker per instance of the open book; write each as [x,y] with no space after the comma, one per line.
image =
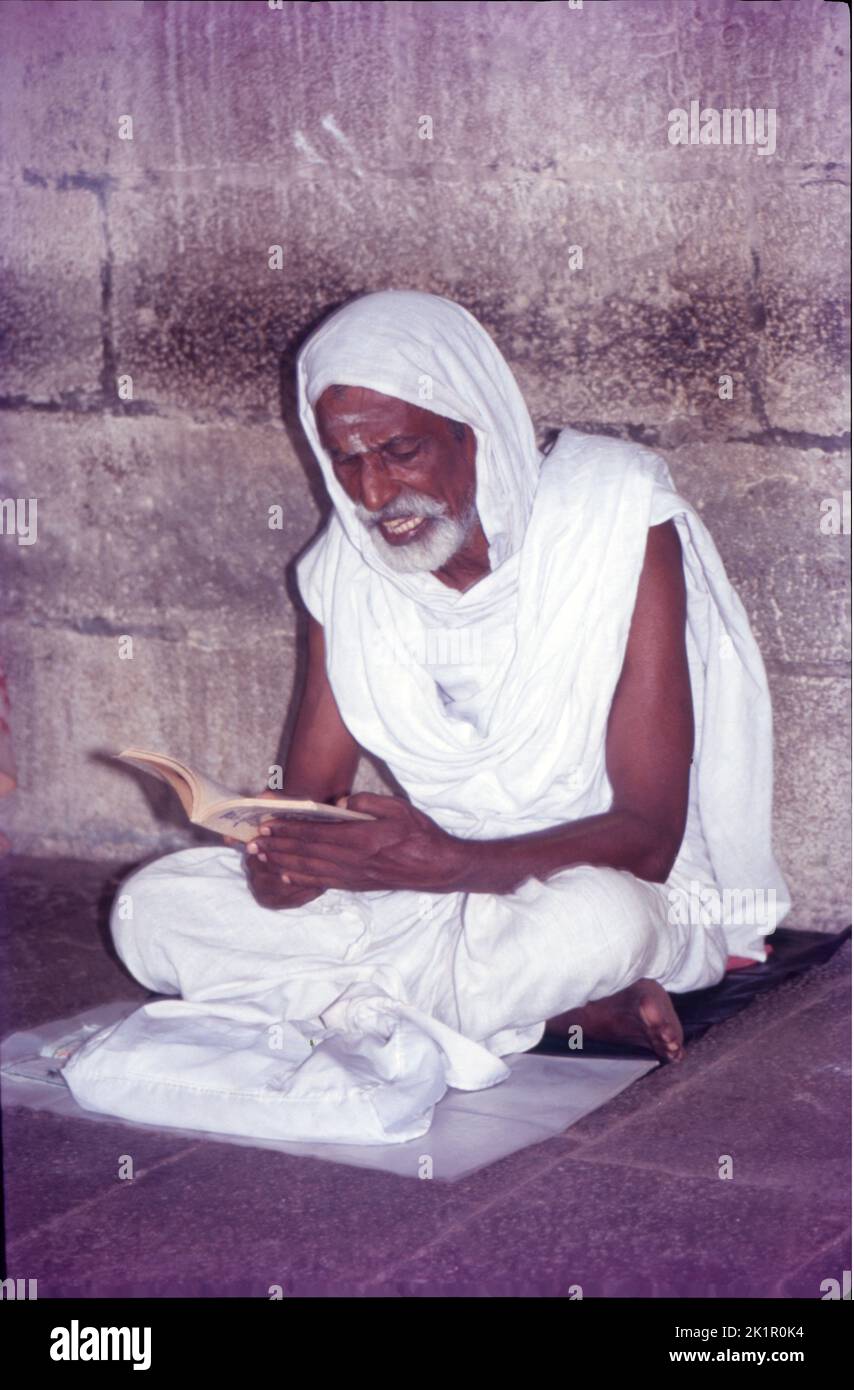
[209,804]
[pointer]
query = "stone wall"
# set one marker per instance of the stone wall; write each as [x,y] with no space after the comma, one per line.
[304,127]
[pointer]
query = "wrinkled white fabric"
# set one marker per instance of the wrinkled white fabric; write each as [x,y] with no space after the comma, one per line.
[490,707]
[345,1021]
[526,748]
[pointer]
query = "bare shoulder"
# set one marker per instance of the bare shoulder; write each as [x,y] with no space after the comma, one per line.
[662,575]
[657,630]
[663,545]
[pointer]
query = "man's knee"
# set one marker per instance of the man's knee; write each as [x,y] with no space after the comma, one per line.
[634,916]
[136,923]
[161,905]
[647,940]
[617,923]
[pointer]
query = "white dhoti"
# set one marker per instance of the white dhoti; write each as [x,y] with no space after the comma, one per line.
[347,1019]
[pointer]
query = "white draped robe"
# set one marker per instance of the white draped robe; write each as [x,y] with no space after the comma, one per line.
[346,1020]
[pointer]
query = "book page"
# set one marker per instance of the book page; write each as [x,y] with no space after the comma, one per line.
[195,791]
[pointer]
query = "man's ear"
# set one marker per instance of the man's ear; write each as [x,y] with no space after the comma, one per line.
[471,443]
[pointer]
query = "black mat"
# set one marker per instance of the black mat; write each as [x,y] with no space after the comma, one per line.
[794,953]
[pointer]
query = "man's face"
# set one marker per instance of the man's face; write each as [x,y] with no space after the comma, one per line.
[410,473]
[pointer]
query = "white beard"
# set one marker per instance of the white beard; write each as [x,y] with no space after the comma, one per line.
[444,536]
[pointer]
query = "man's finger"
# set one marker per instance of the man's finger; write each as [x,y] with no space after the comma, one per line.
[279,881]
[264,873]
[266,883]
[306,874]
[375,805]
[296,863]
[271,845]
[268,878]
[319,882]
[339,832]
[270,891]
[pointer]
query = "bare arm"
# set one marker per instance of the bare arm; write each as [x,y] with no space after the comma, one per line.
[321,764]
[323,755]
[648,749]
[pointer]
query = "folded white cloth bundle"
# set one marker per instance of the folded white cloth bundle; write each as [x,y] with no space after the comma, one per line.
[490,707]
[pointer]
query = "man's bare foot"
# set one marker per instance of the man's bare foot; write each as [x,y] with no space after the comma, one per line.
[642,1015]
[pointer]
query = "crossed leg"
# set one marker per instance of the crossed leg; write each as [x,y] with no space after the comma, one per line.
[611,950]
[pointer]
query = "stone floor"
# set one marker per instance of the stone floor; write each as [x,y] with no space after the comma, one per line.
[628,1202]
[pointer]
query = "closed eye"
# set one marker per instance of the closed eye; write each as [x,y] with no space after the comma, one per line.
[410,455]
[394,448]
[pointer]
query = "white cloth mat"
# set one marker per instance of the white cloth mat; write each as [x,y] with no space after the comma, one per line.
[542,1097]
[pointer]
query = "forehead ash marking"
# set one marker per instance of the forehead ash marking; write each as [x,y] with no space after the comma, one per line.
[355,442]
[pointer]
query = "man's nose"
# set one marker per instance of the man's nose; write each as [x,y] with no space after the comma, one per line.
[376,486]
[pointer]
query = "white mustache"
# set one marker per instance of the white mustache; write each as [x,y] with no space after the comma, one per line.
[396,511]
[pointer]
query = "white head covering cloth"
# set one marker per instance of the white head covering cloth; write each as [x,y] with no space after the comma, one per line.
[434,354]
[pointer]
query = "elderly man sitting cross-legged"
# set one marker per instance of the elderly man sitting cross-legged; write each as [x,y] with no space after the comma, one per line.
[547,655]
